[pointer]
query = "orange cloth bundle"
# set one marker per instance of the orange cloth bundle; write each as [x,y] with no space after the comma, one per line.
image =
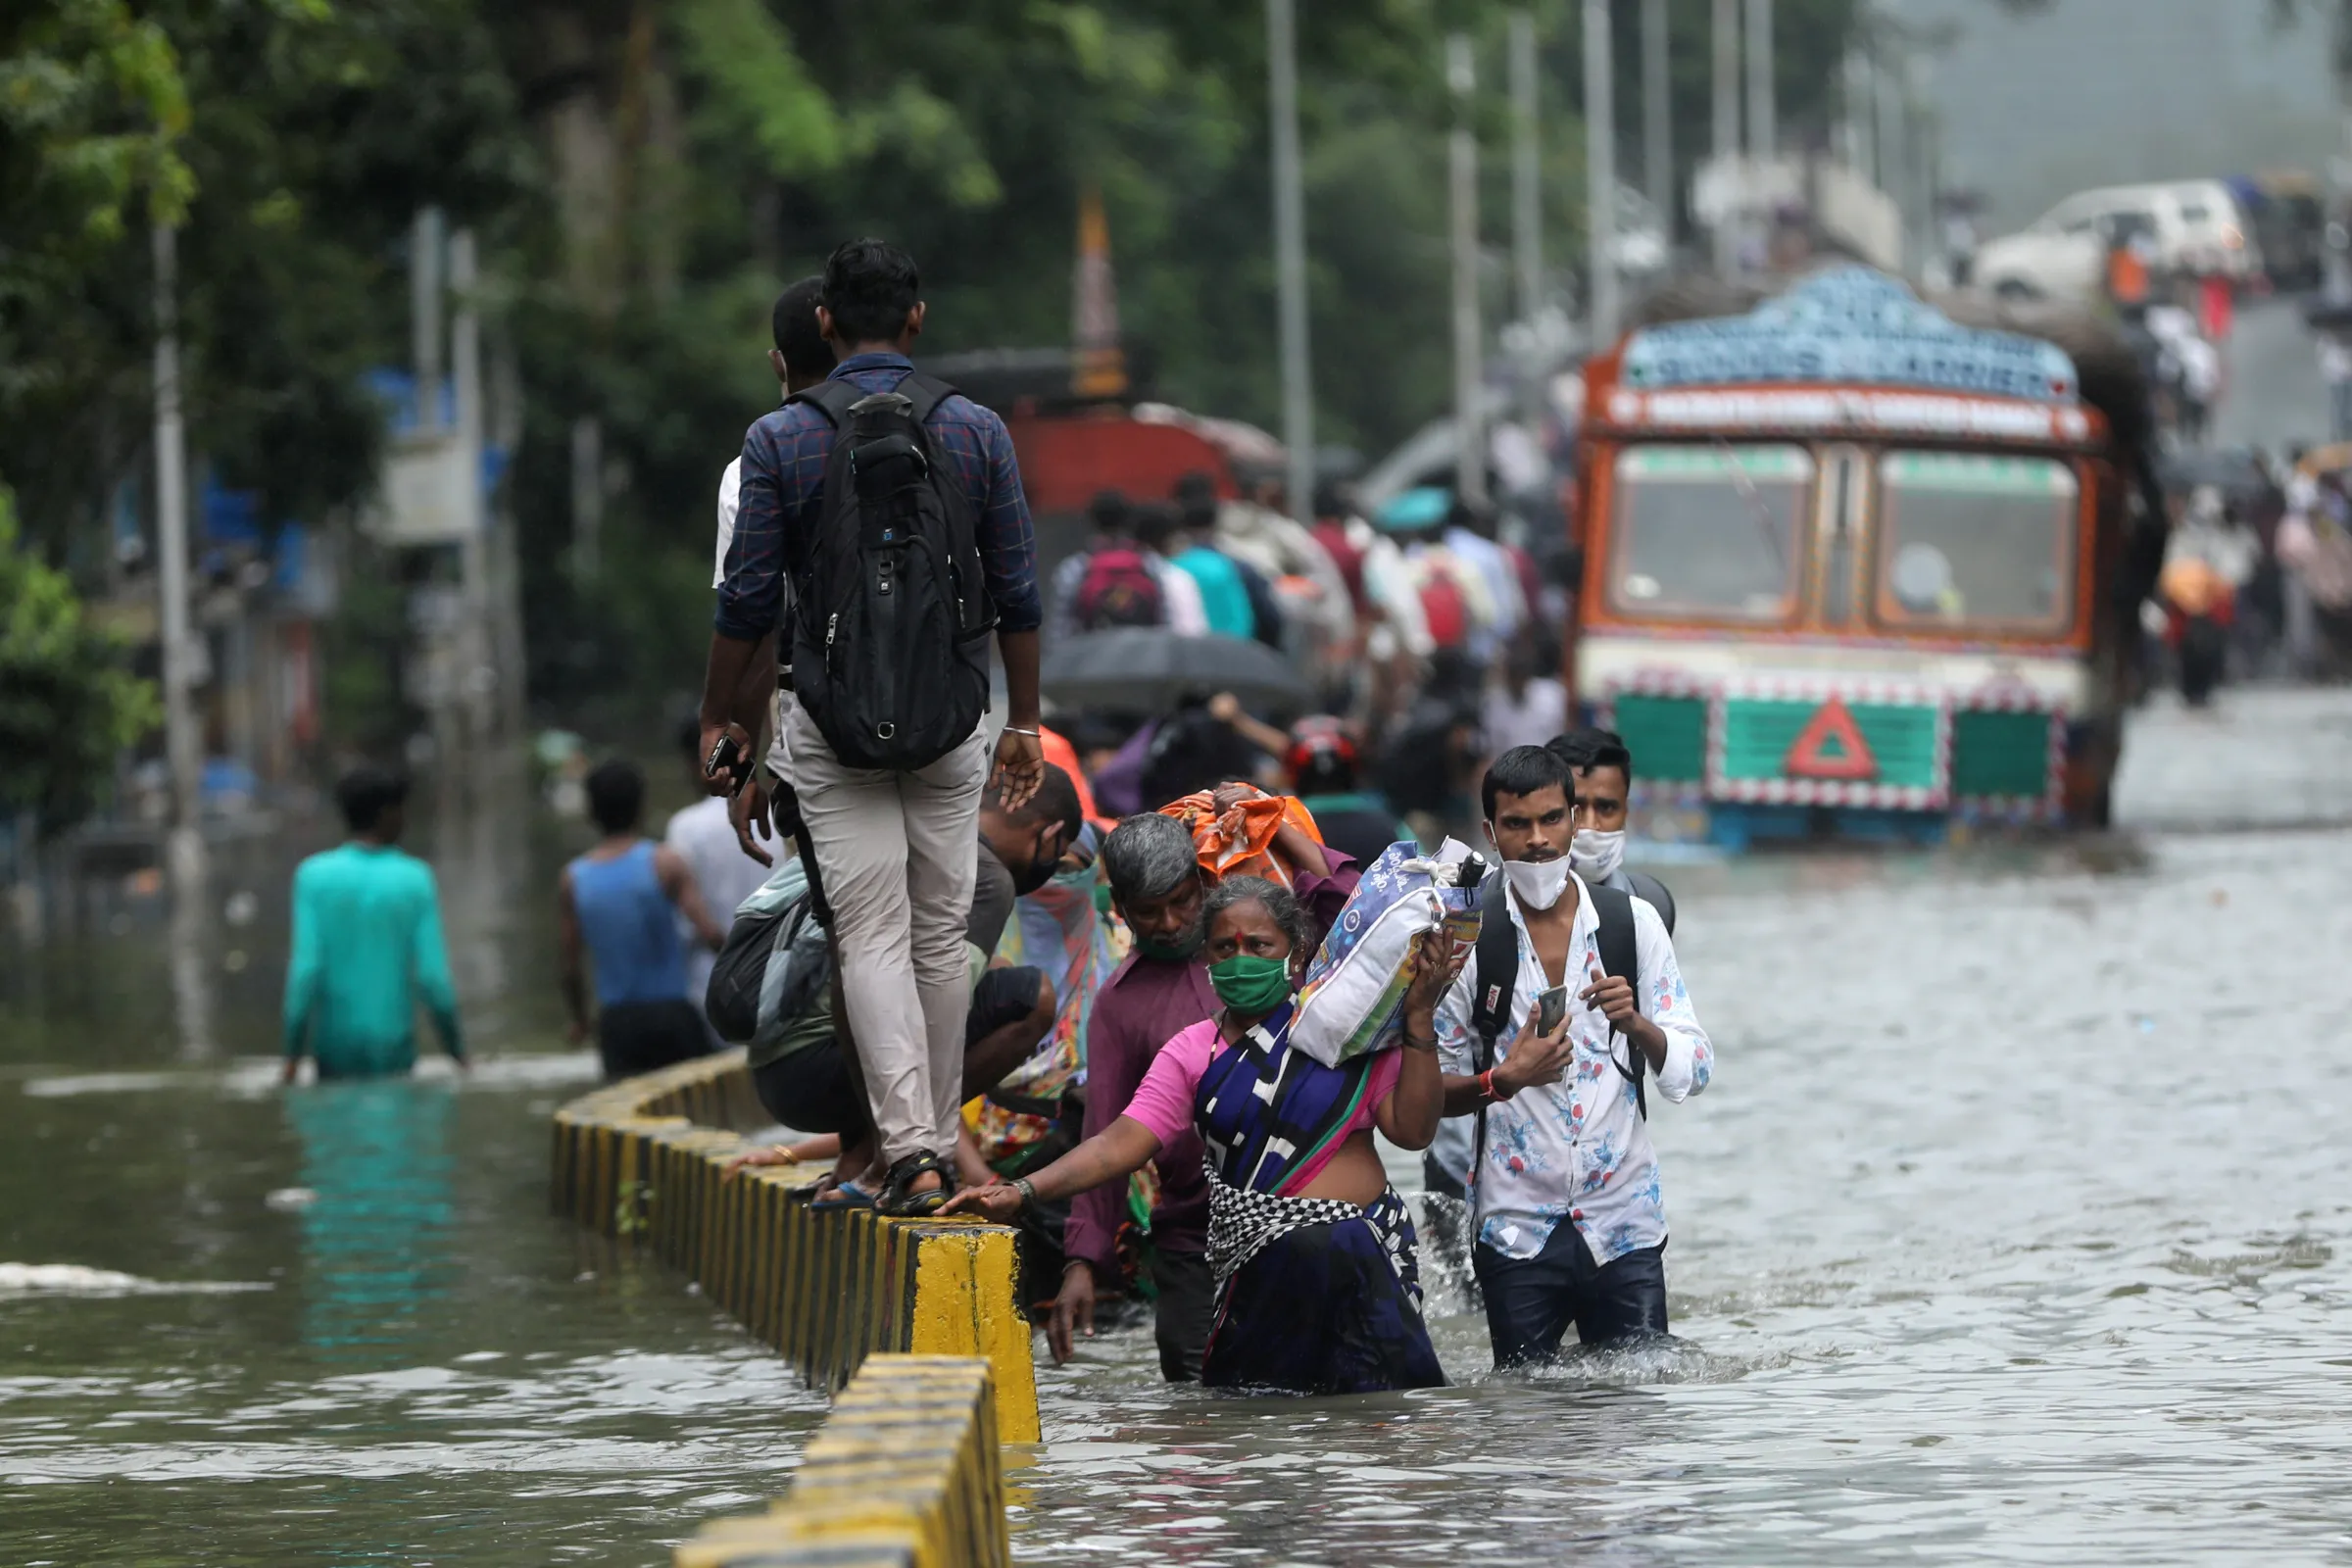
[1241,842]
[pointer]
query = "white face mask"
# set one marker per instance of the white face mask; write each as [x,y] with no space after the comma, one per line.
[1537,884]
[1596,855]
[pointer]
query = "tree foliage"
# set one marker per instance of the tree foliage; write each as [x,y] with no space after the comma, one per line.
[69,704]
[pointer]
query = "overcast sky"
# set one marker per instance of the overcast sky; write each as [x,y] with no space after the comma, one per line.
[2104,92]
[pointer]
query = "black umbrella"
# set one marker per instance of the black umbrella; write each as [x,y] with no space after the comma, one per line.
[1148,669]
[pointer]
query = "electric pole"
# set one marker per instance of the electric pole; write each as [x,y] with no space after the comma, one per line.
[1469,429]
[1600,174]
[1763,108]
[1289,259]
[183,745]
[1727,133]
[1527,191]
[1658,120]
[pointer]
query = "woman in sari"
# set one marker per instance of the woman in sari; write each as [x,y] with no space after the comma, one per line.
[1318,1289]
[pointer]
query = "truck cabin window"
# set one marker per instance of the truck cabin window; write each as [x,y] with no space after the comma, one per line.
[1708,532]
[1973,541]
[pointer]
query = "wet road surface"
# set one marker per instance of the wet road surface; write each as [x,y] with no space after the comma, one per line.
[2014,1227]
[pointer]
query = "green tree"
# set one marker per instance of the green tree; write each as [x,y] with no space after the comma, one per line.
[69,704]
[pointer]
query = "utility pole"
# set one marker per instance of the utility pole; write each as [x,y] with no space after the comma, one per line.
[1469,429]
[1289,257]
[1763,108]
[1527,190]
[1658,120]
[184,850]
[1600,174]
[478,674]
[1726,132]
[424,316]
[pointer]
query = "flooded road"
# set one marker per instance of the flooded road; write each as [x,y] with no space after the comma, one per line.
[2014,1226]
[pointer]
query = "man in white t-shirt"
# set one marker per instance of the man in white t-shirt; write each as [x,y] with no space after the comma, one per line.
[801,359]
[705,839]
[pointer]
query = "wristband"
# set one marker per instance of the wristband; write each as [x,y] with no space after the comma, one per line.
[1429,1045]
[1028,1191]
[1486,1086]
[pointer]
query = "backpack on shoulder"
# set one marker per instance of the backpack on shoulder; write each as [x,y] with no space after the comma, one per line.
[892,613]
[1498,979]
[1119,590]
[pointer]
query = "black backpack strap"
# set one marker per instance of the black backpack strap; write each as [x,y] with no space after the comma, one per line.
[1498,955]
[926,393]
[1653,891]
[1620,959]
[830,398]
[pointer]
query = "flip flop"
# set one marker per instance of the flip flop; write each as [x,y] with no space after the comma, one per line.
[841,1194]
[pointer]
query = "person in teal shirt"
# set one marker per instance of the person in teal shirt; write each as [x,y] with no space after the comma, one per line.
[366,945]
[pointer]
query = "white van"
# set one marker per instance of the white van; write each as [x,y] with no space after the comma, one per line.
[2192,225]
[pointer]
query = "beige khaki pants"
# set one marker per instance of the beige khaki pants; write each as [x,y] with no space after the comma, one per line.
[898,855]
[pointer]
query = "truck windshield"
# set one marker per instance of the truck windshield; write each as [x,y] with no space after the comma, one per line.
[1708,532]
[1971,540]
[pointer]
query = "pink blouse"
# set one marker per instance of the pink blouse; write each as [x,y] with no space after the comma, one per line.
[1163,1102]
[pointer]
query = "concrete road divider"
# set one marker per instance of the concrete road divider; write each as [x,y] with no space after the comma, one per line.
[905,1473]
[643,1161]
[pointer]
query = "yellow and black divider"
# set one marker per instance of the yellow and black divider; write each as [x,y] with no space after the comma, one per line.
[643,1161]
[905,1474]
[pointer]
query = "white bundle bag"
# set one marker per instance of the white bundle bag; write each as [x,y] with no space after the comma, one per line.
[1351,1001]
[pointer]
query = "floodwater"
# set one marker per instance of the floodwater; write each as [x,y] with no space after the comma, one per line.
[2014,1226]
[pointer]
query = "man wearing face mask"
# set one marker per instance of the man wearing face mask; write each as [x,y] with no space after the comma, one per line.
[1020,850]
[1602,771]
[1158,889]
[1565,1203]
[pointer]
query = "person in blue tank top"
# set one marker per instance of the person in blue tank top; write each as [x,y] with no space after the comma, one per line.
[617,908]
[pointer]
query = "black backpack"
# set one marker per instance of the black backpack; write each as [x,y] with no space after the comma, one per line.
[1498,979]
[891,615]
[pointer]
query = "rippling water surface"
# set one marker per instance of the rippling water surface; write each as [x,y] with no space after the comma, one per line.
[2014,1226]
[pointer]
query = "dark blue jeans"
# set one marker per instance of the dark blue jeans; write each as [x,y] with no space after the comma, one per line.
[1532,1300]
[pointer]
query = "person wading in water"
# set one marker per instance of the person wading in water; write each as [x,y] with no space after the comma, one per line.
[1318,1285]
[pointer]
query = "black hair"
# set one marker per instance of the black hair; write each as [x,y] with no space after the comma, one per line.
[1524,771]
[1192,751]
[1154,525]
[1278,903]
[1056,800]
[367,792]
[1593,747]
[794,324]
[1196,498]
[1325,771]
[872,286]
[1111,513]
[617,794]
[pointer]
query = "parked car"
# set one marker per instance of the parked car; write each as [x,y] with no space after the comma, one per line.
[2190,226]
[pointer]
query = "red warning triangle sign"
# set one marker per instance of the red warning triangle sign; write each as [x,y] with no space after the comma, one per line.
[1831,746]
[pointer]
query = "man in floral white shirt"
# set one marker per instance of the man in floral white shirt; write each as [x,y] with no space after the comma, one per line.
[1566,1205]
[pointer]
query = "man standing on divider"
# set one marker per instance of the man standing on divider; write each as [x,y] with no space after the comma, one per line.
[893,506]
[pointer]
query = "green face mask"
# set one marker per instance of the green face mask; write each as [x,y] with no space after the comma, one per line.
[1170,952]
[1251,985]
[1102,897]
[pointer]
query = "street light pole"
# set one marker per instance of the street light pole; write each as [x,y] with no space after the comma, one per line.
[1657,119]
[1726,132]
[183,745]
[1763,107]
[1600,172]
[1527,193]
[1289,257]
[1469,429]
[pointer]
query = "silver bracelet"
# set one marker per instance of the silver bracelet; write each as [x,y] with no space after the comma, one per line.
[1015,729]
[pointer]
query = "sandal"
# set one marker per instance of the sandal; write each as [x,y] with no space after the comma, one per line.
[833,1195]
[899,1202]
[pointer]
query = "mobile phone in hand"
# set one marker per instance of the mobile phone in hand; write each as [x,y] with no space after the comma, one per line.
[1551,1008]
[727,762]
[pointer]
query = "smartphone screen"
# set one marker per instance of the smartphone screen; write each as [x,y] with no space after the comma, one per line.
[1551,1008]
